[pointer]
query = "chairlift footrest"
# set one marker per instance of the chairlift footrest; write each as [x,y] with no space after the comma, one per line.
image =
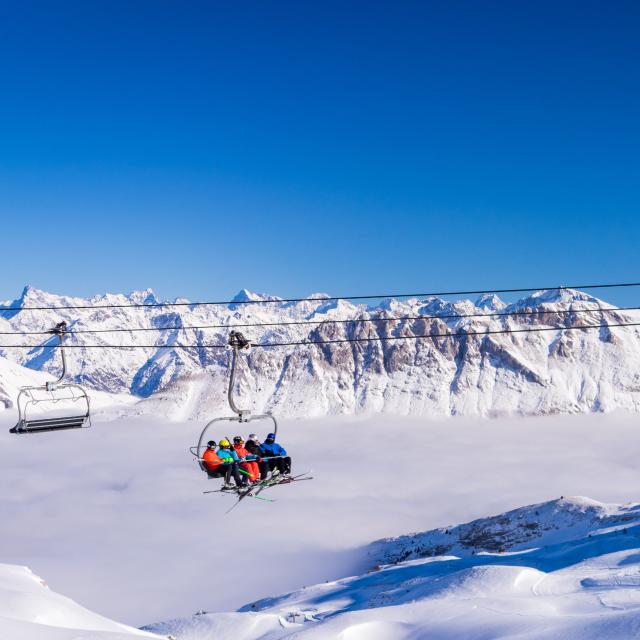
[50,424]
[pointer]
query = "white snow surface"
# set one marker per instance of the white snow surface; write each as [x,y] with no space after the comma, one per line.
[114,517]
[585,587]
[29,610]
[557,371]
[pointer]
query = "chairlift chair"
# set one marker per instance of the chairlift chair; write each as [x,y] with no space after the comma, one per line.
[237,342]
[50,397]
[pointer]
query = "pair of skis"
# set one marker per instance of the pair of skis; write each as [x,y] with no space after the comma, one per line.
[254,490]
[279,479]
[266,484]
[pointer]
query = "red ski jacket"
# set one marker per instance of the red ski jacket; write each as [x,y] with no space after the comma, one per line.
[251,467]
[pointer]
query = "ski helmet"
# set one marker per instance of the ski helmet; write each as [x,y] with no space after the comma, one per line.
[253,437]
[271,437]
[224,443]
[238,440]
[211,444]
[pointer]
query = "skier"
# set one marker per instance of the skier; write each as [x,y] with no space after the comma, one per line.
[250,465]
[252,445]
[282,463]
[230,457]
[219,466]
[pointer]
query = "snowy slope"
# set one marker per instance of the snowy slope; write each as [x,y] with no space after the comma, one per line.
[568,568]
[12,377]
[29,610]
[553,522]
[528,374]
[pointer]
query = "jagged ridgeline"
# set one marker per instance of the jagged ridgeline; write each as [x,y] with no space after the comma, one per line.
[546,372]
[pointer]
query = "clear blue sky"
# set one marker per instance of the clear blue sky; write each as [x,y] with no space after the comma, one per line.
[293,147]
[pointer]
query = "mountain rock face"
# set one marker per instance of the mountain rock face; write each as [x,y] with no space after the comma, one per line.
[555,522]
[556,371]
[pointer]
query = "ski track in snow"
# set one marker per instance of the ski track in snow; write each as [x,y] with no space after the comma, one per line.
[114,517]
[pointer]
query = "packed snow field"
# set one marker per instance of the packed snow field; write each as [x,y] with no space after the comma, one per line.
[29,610]
[114,517]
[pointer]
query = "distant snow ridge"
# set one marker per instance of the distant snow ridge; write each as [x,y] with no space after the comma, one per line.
[568,569]
[29,610]
[525,374]
[548,523]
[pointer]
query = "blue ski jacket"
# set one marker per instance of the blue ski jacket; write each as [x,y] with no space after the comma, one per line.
[273,449]
[225,454]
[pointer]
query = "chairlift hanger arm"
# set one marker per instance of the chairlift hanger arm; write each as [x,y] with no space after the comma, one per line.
[237,342]
[59,330]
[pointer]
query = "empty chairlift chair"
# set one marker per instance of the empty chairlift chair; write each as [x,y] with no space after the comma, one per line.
[55,406]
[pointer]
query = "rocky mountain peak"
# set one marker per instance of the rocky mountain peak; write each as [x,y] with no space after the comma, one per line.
[394,367]
[144,296]
[490,302]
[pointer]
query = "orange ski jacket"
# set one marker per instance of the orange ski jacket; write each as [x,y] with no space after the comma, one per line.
[211,460]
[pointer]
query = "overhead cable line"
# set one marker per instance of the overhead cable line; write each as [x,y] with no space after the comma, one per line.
[330,321]
[143,305]
[266,345]
[450,335]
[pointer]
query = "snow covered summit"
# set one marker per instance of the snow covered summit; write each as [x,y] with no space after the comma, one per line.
[559,370]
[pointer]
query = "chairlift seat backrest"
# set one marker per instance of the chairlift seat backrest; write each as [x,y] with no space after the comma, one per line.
[53,396]
[61,407]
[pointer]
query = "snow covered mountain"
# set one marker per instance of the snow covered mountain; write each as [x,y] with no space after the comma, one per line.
[555,522]
[12,377]
[29,610]
[523,373]
[569,568]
